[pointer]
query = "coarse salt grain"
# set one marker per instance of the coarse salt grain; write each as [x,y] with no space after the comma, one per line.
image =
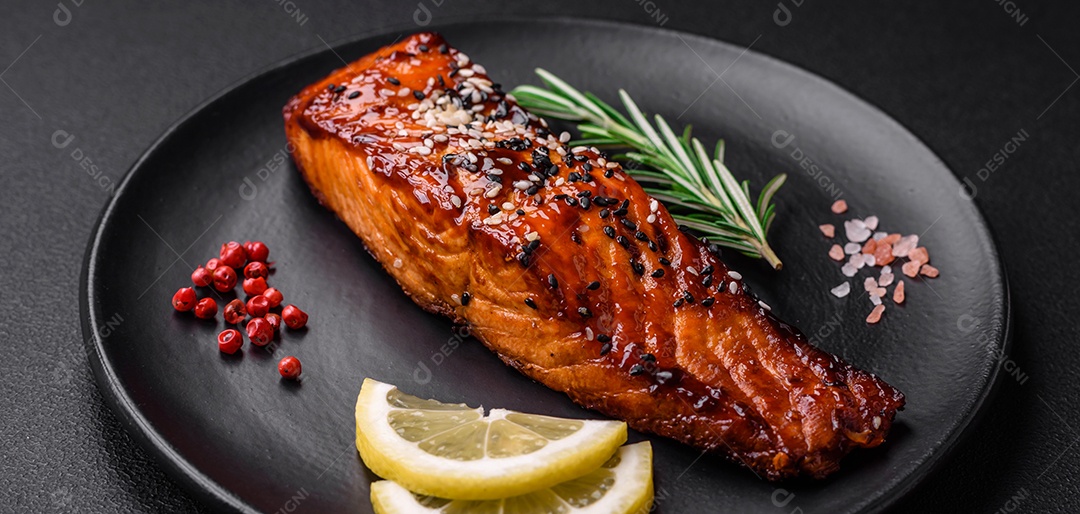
[841,290]
[828,230]
[898,293]
[848,270]
[875,315]
[836,253]
[839,207]
[856,231]
[875,299]
[852,248]
[871,222]
[870,284]
[929,271]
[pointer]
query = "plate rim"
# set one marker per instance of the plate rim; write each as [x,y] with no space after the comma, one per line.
[216,496]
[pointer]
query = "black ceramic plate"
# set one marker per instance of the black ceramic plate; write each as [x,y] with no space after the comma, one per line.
[244,439]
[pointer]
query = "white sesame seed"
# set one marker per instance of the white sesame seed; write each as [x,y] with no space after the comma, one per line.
[764,305]
[508,206]
[733,287]
[532,236]
[651,219]
[588,333]
[422,150]
[735,275]
[611,165]
[456,201]
[493,192]
[564,137]
[522,185]
[398,263]
[429,143]
[403,92]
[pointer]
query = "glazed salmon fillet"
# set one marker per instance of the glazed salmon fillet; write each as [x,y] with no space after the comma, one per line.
[562,265]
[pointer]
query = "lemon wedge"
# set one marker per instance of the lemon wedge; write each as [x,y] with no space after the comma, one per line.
[454,451]
[622,485]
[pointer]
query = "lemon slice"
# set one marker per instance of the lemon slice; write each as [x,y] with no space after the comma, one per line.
[622,485]
[454,451]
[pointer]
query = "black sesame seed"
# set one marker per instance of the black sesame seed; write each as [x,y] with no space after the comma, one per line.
[573,177]
[609,173]
[648,357]
[587,178]
[492,209]
[587,167]
[533,245]
[552,281]
[354,94]
[604,213]
[707,270]
[339,89]
[678,303]
[638,267]
[523,258]
[605,348]
[652,246]
[715,250]
[530,302]
[636,370]
[524,166]
[585,203]
[553,171]
[603,338]
[593,286]
[331,87]
[609,231]
[640,236]
[520,212]
[623,241]
[657,273]
[575,237]
[423,48]
[465,297]
[707,281]
[584,194]
[584,312]
[494,178]
[688,297]
[628,224]
[443,49]
[418,94]
[572,202]
[665,261]
[708,301]
[532,190]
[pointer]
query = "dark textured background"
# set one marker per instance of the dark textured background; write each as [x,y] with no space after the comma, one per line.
[965,77]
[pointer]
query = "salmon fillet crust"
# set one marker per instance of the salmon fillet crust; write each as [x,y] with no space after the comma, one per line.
[561,264]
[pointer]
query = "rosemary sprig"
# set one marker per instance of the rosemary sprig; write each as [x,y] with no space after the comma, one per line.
[699,190]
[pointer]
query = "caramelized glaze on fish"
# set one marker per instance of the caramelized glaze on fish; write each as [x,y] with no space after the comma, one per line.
[562,265]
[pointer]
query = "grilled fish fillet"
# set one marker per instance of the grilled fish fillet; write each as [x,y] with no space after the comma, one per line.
[562,265]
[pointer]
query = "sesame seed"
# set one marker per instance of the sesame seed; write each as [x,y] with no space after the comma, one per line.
[456,200]
[733,287]
[605,348]
[465,297]
[593,286]
[609,231]
[665,261]
[604,213]
[657,273]
[636,370]
[584,312]
[735,275]
[708,302]
[623,241]
[648,357]
[354,94]
[678,303]
[564,137]
[530,302]
[603,338]
[532,236]
[552,281]
[688,297]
